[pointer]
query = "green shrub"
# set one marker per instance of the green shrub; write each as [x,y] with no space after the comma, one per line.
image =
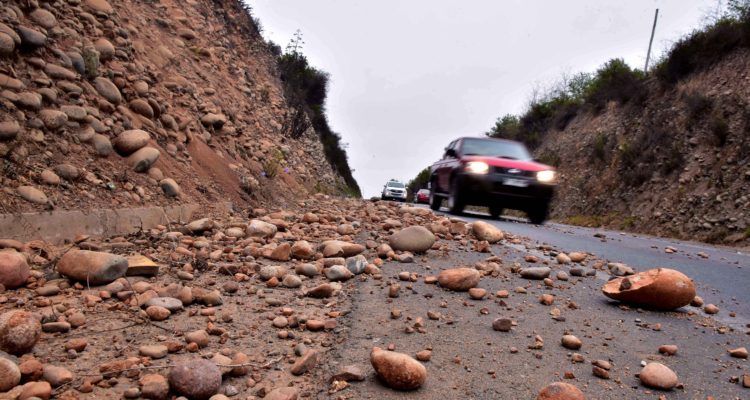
[703,48]
[615,81]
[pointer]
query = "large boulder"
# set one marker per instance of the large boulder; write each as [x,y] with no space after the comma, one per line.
[416,239]
[397,370]
[484,231]
[660,289]
[92,267]
[14,270]
[19,332]
[459,279]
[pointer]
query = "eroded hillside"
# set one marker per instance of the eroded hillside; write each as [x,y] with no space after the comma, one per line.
[78,77]
[676,164]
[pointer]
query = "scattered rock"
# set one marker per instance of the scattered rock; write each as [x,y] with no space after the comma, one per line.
[661,289]
[32,194]
[92,267]
[154,387]
[305,363]
[459,279]
[658,376]
[485,231]
[416,239]
[740,352]
[196,379]
[10,374]
[711,309]
[14,270]
[397,370]
[537,273]
[19,332]
[571,342]
[560,391]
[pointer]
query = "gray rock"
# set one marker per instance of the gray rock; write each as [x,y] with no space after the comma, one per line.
[143,159]
[338,273]
[308,270]
[102,145]
[170,303]
[535,272]
[108,90]
[170,187]
[31,38]
[356,264]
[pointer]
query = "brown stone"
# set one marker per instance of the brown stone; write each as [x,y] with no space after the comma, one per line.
[459,279]
[560,391]
[661,289]
[19,332]
[658,376]
[397,370]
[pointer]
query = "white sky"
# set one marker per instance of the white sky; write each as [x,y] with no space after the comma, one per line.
[409,76]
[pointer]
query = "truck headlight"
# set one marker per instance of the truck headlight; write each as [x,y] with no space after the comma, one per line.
[477,167]
[547,176]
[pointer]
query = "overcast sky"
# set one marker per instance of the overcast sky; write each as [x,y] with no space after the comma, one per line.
[407,77]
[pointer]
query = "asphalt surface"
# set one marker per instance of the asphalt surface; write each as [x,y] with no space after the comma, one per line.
[723,278]
[472,361]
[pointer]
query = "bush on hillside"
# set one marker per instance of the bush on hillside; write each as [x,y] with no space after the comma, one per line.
[704,48]
[306,88]
[615,81]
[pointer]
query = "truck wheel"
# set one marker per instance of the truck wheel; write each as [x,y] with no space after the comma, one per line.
[496,211]
[538,213]
[456,201]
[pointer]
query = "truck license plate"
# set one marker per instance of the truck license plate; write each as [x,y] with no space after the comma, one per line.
[516,182]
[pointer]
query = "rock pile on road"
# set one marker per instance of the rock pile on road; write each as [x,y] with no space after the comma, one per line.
[228,305]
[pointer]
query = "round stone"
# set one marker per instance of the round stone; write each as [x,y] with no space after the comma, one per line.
[10,374]
[658,376]
[14,270]
[19,332]
[196,379]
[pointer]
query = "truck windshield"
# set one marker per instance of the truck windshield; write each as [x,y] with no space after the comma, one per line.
[396,185]
[495,148]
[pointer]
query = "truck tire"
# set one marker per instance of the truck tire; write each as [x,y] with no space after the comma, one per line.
[496,211]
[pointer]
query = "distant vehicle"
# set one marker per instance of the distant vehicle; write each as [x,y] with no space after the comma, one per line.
[394,190]
[422,196]
[495,173]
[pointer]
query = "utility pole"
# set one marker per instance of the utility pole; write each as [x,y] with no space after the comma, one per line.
[653,30]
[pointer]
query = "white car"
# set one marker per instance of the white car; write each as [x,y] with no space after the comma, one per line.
[394,190]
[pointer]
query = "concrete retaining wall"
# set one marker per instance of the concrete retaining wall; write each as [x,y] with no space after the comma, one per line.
[58,226]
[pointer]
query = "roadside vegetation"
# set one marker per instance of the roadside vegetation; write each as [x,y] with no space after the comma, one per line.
[616,82]
[306,89]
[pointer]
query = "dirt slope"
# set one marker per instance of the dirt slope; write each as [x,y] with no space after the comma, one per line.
[676,166]
[195,75]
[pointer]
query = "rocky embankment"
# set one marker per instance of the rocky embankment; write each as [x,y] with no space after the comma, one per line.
[676,166]
[238,307]
[128,103]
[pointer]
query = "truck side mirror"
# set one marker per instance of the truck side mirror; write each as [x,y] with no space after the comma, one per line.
[451,153]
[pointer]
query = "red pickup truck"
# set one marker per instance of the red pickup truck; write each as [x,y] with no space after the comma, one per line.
[495,173]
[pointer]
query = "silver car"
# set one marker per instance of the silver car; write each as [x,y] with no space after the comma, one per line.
[394,190]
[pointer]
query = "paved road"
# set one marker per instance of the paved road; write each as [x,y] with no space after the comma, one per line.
[472,361]
[723,278]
